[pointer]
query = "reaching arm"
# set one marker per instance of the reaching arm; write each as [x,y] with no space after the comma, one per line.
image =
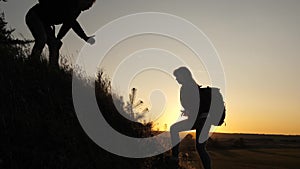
[63,30]
[79,31]
[71,22]
[75,26]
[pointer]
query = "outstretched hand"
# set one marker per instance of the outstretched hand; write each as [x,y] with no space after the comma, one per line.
[91,40]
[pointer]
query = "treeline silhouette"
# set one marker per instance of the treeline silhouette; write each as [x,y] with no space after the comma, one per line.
[38,124]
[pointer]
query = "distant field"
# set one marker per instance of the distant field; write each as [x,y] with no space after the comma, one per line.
[240,151]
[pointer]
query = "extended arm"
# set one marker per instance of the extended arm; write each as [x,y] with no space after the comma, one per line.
[63,30]
[75,26]
[79,31]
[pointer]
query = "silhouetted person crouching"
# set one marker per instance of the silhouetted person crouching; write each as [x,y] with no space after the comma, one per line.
[42,18]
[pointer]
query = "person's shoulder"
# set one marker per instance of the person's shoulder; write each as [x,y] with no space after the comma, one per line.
[36,6]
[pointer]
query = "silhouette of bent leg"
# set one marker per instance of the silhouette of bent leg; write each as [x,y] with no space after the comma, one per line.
[54,46]
[174,130]
[38,31]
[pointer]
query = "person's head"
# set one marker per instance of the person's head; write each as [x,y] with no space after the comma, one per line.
[85,4]
[183,75]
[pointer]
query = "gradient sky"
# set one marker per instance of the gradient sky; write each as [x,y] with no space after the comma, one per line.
[257,41]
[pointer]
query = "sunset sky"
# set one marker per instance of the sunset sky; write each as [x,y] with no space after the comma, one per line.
[258,42]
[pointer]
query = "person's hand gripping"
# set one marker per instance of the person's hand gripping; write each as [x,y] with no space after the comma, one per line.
[91,40]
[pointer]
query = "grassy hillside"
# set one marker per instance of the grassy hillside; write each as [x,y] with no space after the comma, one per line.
[39,128]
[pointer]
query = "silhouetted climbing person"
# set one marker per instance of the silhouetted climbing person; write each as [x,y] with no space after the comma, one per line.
[190,100]
[42,18]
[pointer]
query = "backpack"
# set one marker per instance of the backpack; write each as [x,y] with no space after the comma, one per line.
[211,100]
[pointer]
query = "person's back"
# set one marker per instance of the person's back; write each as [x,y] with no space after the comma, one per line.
[54,12]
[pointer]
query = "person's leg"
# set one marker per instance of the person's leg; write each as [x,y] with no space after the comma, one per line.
[201,147]
[54,46]
[37,30]
[174,130]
